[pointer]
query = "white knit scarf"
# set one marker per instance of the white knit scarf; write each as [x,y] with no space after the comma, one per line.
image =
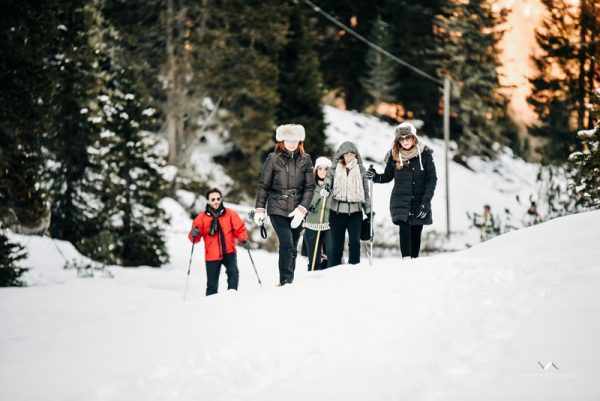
[347,184]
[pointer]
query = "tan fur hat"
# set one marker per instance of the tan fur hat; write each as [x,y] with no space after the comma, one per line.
[290,132]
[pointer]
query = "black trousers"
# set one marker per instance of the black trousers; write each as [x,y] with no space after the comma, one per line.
[310,238]
[213,269]
[410,239]
[288,247]
[340,223]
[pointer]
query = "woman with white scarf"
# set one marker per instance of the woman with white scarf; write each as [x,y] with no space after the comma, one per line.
[349,198]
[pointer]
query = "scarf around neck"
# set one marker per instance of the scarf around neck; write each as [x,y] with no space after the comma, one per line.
[403,155]
[347,183]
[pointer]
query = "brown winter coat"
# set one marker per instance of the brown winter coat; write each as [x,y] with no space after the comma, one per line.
[286,181]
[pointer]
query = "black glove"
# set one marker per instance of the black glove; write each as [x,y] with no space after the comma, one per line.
[371,173]
[246,243]
[195,231]
[423,210]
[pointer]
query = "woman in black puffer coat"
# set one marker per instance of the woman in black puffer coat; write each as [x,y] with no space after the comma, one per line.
[285,191]
[411,167]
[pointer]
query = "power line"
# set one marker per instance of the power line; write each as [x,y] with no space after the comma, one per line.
[371,44]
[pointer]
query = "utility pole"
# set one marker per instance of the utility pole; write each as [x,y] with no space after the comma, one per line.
[447,145]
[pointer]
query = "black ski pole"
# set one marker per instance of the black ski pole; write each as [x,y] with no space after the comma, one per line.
[254,266]
[187,281]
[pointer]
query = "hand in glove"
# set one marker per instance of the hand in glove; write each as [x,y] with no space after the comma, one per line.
[195,232]
[297,216]
[246,243]
[371,173]
[260,216]
[423,211]
[324,192]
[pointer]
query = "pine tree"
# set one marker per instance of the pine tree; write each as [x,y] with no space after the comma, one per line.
[299,86]
[72,134]
[567,74]
[133,185]
[413,40]
[10,255]
[27,30]
[587,161]
[380,82]
[342,56]
[467,34]
[236,49]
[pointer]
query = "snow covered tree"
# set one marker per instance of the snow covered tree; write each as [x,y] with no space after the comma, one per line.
[467,35]
[27,29]
[133,185]
[380,82]
[587,162]
[299,86]
[567,73]
[10,254]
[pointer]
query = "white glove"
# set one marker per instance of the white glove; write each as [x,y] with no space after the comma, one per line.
[324,193]
[297,216]
[260,216]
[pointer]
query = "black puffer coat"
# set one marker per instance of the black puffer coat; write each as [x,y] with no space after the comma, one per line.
[286,181]
[412,187]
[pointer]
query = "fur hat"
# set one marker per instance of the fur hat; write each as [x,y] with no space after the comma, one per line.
[322,161]
[290,132]
[404,129]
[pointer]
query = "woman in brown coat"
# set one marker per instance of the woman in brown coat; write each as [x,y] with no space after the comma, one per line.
[285,190]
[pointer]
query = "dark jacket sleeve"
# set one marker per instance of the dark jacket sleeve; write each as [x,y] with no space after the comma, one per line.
[309,185]
[367,205]
[265,181]
[388,173]
[430,178]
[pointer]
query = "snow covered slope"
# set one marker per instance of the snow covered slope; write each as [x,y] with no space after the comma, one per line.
[514,318]
[495,183]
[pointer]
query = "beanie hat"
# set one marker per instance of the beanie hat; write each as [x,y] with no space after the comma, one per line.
[405,129]
[290,132]
[322,161]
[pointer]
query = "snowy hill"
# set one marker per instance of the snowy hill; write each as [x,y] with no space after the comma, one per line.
[497,183]
[511,319]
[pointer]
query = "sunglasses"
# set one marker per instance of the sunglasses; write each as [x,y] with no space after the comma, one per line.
[214,199]
[405,138]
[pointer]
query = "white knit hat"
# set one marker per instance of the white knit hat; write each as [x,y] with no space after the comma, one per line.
[322,161]
[290,132]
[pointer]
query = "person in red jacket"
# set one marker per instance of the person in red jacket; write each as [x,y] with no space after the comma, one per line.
[219,226]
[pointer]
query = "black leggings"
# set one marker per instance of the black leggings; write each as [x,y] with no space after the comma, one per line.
[410,240]
[288,247]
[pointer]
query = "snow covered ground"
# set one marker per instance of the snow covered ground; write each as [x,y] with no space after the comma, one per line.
[511,319]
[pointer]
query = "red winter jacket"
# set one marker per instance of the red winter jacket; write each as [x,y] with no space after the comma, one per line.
[232,227]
